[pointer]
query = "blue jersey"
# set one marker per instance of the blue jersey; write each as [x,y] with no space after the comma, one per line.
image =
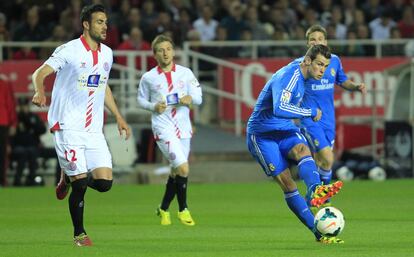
[320,93]
[278,102]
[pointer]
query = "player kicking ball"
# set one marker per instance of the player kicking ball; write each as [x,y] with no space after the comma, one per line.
[273,138]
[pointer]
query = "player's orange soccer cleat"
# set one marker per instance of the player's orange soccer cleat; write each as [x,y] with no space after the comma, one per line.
[323,192]
[82,240]
[62,188]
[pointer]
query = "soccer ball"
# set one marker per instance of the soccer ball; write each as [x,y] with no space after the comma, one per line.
[329,221]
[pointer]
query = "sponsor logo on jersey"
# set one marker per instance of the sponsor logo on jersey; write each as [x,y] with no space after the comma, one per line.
[285,98]
[333,72]
[93,80]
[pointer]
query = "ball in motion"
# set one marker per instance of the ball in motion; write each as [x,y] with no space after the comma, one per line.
[329,221]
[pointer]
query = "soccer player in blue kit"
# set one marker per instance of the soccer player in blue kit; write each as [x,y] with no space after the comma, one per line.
[319,93]
[272,136]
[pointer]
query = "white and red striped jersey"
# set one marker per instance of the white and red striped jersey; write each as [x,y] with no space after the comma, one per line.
[78,93]
[157,86]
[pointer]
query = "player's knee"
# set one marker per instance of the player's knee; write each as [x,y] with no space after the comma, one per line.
[103,185]
[325,161]
[299,151]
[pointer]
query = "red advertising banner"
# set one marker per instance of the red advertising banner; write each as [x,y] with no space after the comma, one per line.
[367,70]
[19,73]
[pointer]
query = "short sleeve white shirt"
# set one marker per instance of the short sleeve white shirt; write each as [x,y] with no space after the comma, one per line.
[78,93]
[156,86]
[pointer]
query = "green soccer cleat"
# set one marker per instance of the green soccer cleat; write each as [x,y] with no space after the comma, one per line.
[165,217]
[185,217]
[323,192]
[330,240]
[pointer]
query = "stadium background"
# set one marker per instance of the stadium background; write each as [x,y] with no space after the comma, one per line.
[239,213]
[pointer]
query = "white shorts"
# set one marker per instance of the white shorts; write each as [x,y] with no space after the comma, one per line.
[79,152]
[175,150]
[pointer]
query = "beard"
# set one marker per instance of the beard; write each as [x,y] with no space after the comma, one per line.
[97,37]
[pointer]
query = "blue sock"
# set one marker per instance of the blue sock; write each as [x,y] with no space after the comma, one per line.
[325,176]
[298,205]
[309,173]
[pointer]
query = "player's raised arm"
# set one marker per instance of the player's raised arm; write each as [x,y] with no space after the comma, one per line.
[38,79]
[111,105]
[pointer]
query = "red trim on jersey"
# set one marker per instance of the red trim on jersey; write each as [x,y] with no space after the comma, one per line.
[88,48]
[161,71]
[55,127]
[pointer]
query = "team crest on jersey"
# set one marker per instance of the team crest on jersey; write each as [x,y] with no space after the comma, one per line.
[106,66]
[316,142]
[83,65]
[271,167]
[333,72]
[172,156]
[286,95]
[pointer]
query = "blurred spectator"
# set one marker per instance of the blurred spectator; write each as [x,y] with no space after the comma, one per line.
[4,34]
[149,18]
[30,29]
[288,15]
[246,51]
[311,18]
[118,17]
[372,9]
[182,27]
[234,23]
[133,20]
[325,11]
[206,25]
[26,142]
[8,122]
[393,49]
[359,19]
[406,25]
[363,33]
[396,8]
[279,51]
[381,27]
[275,19]
[174,7]
[162,25]
[256,27]
[135,42]
[348,9]
[352,48]
[336,21]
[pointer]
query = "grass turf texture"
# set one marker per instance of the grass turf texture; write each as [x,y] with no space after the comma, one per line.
[232,220]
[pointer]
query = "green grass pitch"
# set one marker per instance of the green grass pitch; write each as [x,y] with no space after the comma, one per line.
[232,220]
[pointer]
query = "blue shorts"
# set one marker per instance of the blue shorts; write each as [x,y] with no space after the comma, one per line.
[318,137]
[271,150]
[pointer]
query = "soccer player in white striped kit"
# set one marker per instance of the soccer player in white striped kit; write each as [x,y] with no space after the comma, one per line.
[168,91]
[76,112]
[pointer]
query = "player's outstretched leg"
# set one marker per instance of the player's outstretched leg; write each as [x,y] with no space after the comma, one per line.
[62,188]
[324,192]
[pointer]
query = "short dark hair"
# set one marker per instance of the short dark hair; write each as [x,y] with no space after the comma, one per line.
[315,28]
[323,50]
[159,39]
[86,13]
